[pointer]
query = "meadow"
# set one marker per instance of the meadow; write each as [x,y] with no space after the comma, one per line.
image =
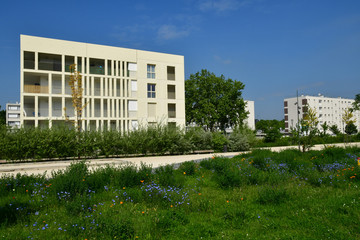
[259,195]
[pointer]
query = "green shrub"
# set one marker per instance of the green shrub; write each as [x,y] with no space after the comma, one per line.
[189,168]
[167,176]
[69,183]
[241,139]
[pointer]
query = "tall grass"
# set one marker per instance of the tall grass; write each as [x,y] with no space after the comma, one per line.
[262,195]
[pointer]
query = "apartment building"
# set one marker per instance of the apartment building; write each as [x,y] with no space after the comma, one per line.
[250,120]
[13,115]
[329,110]
[123,88]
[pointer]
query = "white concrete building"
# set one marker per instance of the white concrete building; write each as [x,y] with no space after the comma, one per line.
[250,107]
[123,88]
[329,110]
[13,115]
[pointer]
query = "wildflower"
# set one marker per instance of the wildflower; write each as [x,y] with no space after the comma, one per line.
[227,201]
[83,180]
[242,199]
[171,205]
[141,181]
[184,172]
[199,194]
[27,190]
[121,202]
[124,188]
[142,212]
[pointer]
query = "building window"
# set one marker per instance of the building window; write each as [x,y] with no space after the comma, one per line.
[171,110]
[151,71]
[171,91]
[151,90]
[170,73]
[97,66]
[69,60]
[151,110]
[50,62]
[29,60]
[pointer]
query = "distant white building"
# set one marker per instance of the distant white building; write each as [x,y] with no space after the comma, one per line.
[250,107]
[13,114]
[329,110]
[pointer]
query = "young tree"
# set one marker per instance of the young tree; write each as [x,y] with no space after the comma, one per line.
[77,96]
[324,127]
[214,102]
[334,129]
[271,128]
[308,128]
[350,129]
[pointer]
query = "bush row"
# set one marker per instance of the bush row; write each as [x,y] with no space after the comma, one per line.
[62,142]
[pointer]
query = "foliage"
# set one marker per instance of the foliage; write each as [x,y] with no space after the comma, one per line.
[350,129]
[272,135]
[308,128]
[61,142]
[334,129]
[213,101]
[241,139]
[348,116]
[76,96]
[222,198]
[265,125]
[2,116]
[356,104]
[271,128]
[324,127]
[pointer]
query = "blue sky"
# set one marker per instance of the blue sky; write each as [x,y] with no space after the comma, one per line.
[273,46]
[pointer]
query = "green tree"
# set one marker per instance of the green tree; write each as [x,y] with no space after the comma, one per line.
[356,104]
[214,102]
[265,125]
[2,116]
[271,128]
[334,129]
[308,128]
[350,129]
[324,127]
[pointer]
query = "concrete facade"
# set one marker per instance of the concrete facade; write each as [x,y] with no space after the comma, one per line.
[250,107]
[123,88]
[329,110]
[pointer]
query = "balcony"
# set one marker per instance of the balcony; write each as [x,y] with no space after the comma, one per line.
[36,89]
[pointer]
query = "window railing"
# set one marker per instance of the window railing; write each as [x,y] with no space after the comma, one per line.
[36,89]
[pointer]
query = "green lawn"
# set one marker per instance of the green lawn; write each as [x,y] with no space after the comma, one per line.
[262,195]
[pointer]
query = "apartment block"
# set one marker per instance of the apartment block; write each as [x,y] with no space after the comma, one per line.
[250,120]
[329,110]
[13,115]
[123,88]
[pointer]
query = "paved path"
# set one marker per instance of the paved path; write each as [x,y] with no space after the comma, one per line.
[155,161]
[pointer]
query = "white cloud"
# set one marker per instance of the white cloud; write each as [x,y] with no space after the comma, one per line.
[168,32]
[221,5]
[221,60]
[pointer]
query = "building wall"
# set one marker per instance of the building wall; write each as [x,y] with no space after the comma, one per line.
[250,107]
[115,82]
[329,110]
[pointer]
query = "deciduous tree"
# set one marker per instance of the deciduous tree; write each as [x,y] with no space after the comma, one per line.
[213,101]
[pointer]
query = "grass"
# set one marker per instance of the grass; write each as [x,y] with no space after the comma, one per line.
[260,195]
